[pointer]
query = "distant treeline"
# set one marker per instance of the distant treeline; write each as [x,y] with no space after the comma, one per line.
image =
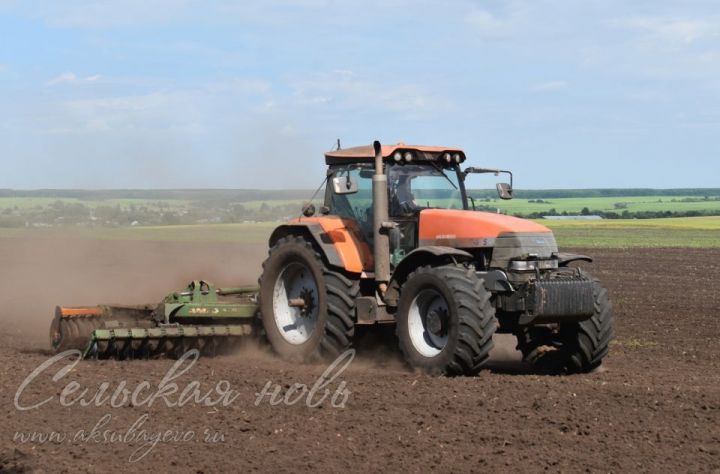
[204,206]
[618,215]
[240,195]
[224,195]
[63,213]
[596,193]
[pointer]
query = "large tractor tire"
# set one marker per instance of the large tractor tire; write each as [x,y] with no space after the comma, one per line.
[445,320]
[324,326]
[573,347]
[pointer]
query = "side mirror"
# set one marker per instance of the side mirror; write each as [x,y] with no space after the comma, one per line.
[345,185]
[504,191]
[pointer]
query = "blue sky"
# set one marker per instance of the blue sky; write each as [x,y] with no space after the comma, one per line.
[182,93]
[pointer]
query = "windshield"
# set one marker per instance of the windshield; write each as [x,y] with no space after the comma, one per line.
[413,187]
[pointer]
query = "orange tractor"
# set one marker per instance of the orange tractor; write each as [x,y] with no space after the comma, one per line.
[397,241]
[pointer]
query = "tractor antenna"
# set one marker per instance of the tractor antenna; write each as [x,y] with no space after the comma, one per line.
[338,145]
[308,209]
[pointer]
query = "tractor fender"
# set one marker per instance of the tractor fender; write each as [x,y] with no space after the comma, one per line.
[565,258]
[426,255]
[331,237]
[313,233]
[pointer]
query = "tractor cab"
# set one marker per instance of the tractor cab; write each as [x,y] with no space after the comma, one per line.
[419,178]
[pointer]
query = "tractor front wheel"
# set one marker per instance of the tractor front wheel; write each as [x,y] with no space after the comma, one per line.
[445,320]
[572,347]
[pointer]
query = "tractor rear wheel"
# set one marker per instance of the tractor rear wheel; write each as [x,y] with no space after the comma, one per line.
[573,347]
[307,308]
[445,320]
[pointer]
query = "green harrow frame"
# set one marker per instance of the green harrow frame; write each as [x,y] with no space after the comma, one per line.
[212,320]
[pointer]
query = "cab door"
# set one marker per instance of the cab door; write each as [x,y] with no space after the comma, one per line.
[358,206]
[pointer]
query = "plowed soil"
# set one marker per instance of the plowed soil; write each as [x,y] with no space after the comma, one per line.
[653,406]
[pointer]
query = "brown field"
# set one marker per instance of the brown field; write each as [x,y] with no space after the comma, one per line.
[654,406]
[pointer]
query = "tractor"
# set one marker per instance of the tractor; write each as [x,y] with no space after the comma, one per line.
[397,243]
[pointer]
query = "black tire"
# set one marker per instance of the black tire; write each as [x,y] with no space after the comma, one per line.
[335,326]
[469,323]
[573,347]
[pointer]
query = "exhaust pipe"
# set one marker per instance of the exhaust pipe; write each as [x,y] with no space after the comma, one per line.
[381,223]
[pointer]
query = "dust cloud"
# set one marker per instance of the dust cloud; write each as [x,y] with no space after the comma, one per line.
[40,273]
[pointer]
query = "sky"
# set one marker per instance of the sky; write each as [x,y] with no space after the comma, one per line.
[230,94]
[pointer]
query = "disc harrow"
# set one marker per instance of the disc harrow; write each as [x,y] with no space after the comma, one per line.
[213,321]
[164,341]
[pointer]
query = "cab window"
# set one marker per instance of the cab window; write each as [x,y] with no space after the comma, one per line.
[413,187]
[356,206]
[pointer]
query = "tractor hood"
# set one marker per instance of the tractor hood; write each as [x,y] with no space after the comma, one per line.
[471,229]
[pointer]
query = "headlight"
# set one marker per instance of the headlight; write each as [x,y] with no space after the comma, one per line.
[447,157]
[532,265]
[397,157]
[457,158]
[408,156]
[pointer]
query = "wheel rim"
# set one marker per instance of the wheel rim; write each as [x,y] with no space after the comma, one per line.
[428,322]
[296,324]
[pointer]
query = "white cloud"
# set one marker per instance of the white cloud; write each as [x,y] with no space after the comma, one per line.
[94,14]
[64,77]
[126,103]
[117,115]
[488,25]
[495,20]
[684,48]
[673,31]
[343,91]
[190,109]
[552,86]
[240,86]
[71,78]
